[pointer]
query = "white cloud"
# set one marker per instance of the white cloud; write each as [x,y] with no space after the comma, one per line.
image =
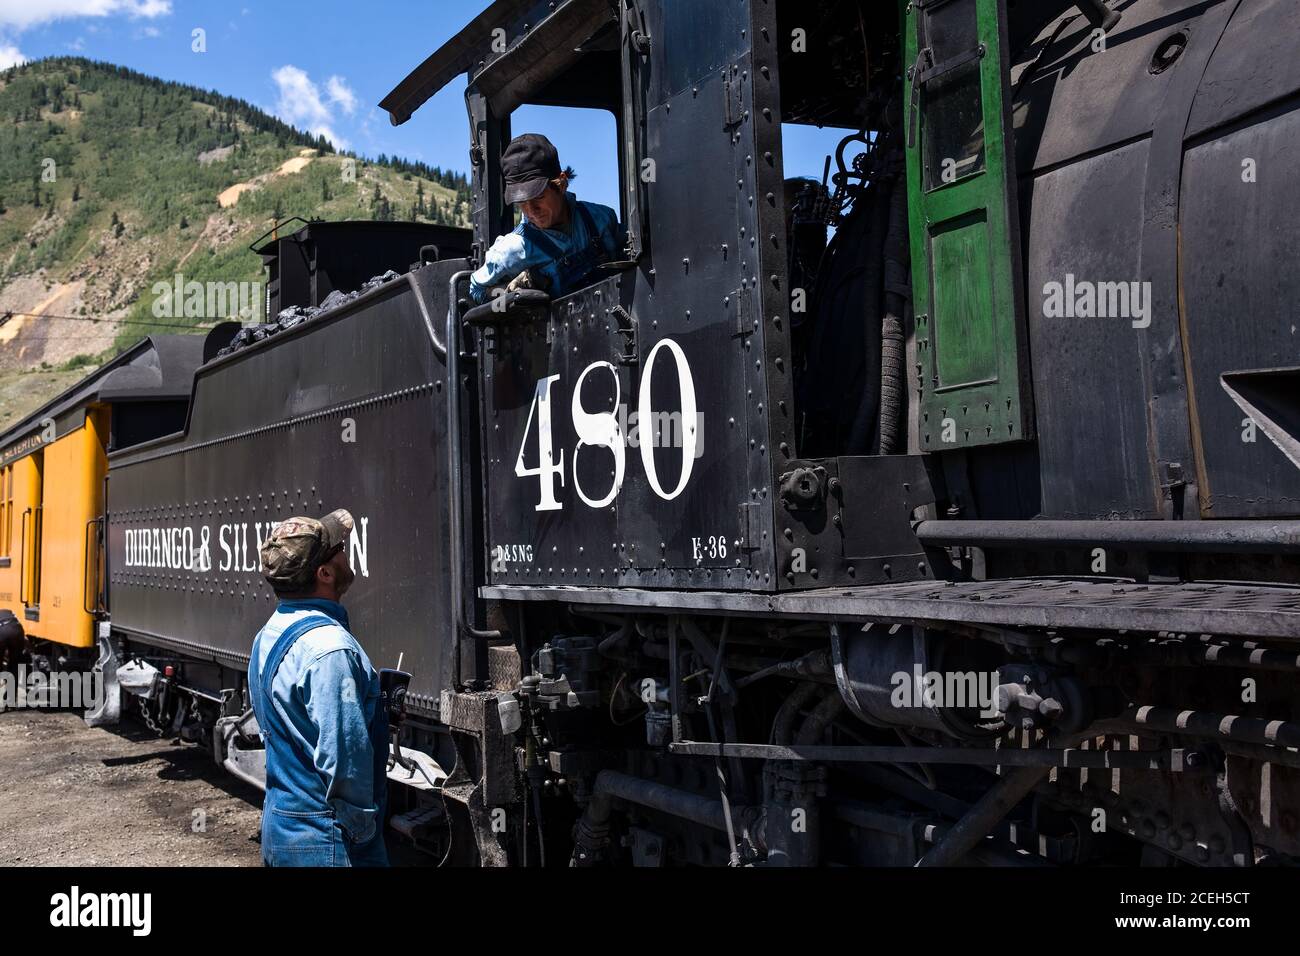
[341,94]
[300,103]
[300,100]
[21,14]
[10,56]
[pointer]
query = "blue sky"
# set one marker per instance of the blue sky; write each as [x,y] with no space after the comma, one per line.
[324,65]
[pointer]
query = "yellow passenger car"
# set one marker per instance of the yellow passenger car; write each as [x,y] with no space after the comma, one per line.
[53,466]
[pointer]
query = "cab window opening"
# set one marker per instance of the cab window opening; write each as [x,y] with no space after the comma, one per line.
[846,225]
[574,98]
[587,141]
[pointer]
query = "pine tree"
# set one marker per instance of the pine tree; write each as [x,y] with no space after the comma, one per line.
[325,190]
[76,192]
[36,190]
[185,223]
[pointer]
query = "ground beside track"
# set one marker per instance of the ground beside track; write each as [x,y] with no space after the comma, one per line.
[72,795]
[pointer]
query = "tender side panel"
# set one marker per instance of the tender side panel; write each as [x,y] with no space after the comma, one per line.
[347,413]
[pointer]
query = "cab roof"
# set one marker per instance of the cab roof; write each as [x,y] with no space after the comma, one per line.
[557,26]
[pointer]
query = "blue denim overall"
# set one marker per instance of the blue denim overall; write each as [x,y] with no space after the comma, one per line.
[559,260]
[299,827]
[570,268]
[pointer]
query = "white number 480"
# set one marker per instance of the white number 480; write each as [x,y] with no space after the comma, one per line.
[602,430]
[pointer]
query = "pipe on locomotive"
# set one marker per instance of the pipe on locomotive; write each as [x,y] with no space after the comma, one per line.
[1206,537]
[1213,726]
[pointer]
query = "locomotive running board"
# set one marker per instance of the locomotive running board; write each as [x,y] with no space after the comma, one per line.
[1222,609]
[1173,760]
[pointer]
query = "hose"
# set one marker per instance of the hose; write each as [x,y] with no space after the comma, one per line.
[783,725]
[893,342]
[821,718]
[866,419]
[606,647]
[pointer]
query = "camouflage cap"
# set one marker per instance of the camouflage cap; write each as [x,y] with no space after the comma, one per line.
[299,546]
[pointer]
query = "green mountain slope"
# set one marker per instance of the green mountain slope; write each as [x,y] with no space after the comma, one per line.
[111,181]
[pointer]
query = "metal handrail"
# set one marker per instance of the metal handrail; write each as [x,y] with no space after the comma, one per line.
[454,483]
[275,231]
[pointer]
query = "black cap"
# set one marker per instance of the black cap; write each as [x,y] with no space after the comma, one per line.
[529,163]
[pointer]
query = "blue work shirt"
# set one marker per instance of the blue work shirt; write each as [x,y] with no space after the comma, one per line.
[326,694]
[561,258]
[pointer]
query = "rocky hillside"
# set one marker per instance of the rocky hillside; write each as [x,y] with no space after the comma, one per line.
[111,181]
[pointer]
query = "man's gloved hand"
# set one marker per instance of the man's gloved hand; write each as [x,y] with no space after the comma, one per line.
[522,281]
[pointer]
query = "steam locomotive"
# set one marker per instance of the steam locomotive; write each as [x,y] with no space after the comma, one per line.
[967,536]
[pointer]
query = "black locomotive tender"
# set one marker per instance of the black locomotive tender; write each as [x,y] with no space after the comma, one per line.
[908,562]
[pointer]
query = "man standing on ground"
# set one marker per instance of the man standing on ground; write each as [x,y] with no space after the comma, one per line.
[316,697]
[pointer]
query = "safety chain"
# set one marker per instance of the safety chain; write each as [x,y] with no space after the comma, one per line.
[149,721]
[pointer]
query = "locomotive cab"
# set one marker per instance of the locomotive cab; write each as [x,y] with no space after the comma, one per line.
[663,427]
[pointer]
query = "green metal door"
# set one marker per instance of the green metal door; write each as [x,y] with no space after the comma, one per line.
[969,305]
